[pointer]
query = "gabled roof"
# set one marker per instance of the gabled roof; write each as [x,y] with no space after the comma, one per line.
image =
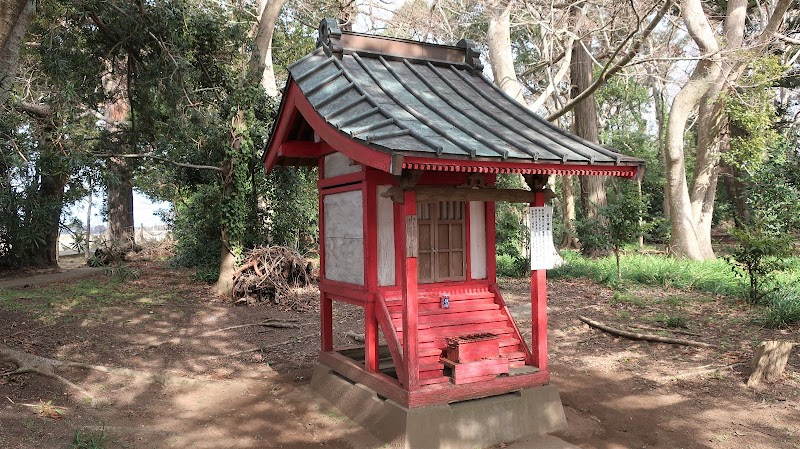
[431,107]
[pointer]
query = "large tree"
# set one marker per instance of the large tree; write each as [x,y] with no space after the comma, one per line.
[718,68]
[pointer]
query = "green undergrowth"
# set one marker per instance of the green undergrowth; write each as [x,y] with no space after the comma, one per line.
[713,276]
[54,300]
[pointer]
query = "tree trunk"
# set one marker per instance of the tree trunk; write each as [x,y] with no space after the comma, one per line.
[501,58]
[593,191]
[87,250]
[227,267]
[711,120]
[120,203]
[260,68]
[120,186]
[51,202]
[568,240]
[683,238]
[15,18]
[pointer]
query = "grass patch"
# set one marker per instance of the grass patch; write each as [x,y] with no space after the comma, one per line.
[713,276]
[50,301]
[783,307]
[89,439]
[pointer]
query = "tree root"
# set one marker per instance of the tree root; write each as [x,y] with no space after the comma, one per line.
[33,364]
[645,337]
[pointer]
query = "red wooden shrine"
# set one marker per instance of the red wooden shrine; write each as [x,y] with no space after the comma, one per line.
[408,139]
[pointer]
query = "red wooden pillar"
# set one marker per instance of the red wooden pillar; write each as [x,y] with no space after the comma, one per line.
[409,285]
[326,304]
[539,307]
[370,220]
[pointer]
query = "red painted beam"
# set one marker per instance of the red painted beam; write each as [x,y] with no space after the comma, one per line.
[336,139]
[304,149]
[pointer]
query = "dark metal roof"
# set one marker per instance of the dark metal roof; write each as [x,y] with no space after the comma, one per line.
[429,100]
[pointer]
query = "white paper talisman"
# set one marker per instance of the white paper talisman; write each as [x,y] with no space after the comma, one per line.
[543,252]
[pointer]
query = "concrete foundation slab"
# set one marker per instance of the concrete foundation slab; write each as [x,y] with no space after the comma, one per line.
[462,425]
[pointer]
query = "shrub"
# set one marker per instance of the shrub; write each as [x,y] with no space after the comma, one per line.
[511,266]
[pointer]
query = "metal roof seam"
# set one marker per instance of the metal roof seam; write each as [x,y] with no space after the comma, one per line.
[321,84]
[465,129]
[356,118]
[599,148]
[411,111]
[344,107]
[375,104]
[508,111]
[334,96]
[509,141]
[562,155]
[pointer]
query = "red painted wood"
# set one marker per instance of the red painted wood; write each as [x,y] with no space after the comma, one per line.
[456,321]
[305,149]
[370,223]
[539,307]
[499,300]
[438,319]
[409,269]
[445,393]
[282,128]
[392,341]
[467,242]
[477,368]
[461,350]
[526,167]
[382,384]
[468,380]
[371,355]
[434,380]
[326,322]
[491,243]
[335,138]
[335,181]
[340,189]
[436,394]
[321,225]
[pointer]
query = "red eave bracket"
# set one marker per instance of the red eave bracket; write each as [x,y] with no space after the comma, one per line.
[525,168]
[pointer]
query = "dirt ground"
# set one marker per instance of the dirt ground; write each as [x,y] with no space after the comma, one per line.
[184,377]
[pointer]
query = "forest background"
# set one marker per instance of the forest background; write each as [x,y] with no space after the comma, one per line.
[176,99]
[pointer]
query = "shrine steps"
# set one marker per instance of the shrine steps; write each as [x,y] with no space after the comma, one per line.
[471,310]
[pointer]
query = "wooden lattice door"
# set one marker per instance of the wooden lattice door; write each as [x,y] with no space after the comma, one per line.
[442,236]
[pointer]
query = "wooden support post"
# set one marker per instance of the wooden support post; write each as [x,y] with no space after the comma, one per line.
[325,302]
[326,322]
[371,353]
[539,306]
[491,243]
[410,299]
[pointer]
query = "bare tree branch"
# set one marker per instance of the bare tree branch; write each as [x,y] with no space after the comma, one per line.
[612,67]
[159,158]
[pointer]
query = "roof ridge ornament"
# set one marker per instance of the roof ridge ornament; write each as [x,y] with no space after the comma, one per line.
[472,54]
[328,29]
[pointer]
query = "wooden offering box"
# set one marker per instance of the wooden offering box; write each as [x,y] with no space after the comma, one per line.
[474,347]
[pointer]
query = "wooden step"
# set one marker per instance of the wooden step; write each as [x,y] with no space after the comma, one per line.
[456,319]
[439,340]
[460,307]
[397,306]
[434,333]
[459,321]
[434,380]
[434,295]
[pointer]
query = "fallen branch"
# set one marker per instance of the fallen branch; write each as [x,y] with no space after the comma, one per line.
[645,337]
[674,331]
[288,324]
[262,348]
